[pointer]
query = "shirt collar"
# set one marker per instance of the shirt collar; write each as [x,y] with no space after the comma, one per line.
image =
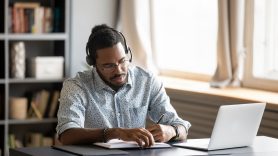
[129,79]
[100,84]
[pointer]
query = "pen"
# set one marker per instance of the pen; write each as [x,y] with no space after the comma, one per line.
[160,118]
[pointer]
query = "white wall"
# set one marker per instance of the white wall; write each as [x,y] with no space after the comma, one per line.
[84,15]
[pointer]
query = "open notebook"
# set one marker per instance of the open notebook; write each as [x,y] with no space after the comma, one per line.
[117,144]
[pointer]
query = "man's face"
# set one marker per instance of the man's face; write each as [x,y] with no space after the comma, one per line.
[112,65]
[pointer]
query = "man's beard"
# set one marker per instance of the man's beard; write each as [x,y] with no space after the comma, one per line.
[113,86]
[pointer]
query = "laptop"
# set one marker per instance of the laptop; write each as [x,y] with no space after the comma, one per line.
[235,126]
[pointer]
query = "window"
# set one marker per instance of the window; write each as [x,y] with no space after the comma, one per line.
[185,35]
[262,65]
[265,47]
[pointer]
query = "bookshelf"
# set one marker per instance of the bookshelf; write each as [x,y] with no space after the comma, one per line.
[43,36]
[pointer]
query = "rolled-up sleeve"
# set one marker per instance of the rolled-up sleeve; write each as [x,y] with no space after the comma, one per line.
[160,104]
[72,106]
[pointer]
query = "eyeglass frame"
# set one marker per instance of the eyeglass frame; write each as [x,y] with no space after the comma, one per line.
[111,67]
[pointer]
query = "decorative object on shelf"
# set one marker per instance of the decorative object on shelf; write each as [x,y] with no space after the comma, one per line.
[14,142]
[36,139]
[18,108]
[18,60]
[47,67]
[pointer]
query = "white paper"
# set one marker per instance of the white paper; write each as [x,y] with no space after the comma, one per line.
[116,143]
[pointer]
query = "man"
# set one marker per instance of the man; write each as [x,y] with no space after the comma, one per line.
[114,98]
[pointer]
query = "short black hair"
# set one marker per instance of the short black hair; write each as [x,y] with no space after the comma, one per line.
[102,36]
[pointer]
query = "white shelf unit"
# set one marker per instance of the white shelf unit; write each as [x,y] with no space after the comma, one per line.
[43,44]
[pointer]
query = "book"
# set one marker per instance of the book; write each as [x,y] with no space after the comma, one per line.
[43,101]
[10,19]
[21,17]
[33,139]
[53,104]
[118,144]
[18,143]
[15,20]
[29,20]
[48,20]
[36,110]
[38,104]
[26,4]
[47,141]
[38,17]
[56,20]
[11,140]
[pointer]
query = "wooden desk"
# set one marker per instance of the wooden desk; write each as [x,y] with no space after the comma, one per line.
[263,146]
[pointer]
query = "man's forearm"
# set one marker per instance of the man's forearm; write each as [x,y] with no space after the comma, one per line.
[86,136]
[81,136]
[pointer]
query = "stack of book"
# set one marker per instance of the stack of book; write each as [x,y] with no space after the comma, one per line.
[30,17]
[43,104]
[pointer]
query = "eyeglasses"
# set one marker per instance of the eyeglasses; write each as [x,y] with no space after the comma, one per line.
[110,67]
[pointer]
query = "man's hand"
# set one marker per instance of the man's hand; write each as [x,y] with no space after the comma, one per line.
[161,133]
[140,135]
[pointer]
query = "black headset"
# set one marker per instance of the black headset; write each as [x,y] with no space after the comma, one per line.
[92,62]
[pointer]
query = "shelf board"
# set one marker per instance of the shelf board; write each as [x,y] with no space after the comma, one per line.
[28,36]
[2,122]
[2,81]
[2,36]
[34,80]
[32,121]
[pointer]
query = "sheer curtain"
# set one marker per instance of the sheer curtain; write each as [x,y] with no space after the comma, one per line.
[135,23]
[230,46]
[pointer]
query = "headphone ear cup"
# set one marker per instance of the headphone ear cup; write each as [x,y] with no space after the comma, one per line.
[130,53]
[89,60]
[127,49]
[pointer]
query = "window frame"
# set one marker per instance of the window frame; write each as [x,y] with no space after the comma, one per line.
[249,80]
